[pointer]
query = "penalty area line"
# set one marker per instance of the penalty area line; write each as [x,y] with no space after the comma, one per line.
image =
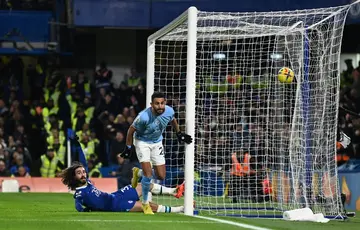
[246,226]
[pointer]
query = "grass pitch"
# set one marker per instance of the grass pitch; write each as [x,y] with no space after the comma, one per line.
[37,211]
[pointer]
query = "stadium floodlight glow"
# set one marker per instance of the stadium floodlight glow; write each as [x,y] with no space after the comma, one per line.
[276,56]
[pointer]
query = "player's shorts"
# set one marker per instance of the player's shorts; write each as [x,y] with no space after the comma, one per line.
[125,199]
[150,152]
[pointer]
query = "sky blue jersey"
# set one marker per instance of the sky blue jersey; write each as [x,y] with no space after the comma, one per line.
[150,127]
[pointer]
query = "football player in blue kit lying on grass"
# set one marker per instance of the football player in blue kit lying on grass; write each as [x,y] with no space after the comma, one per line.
[89,198]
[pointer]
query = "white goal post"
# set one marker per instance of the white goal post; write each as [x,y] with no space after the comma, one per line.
[190,16]
[261,145]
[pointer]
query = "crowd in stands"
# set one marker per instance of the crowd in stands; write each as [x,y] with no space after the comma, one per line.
[349,113]
[33,130]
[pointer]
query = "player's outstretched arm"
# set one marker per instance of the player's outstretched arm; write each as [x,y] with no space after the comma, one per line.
[78,206]
[129,136]
[75,146]
[182,137]
[78,203]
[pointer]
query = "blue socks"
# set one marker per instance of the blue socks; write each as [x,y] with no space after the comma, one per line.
[145,183]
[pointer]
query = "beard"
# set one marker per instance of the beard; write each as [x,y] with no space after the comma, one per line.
[159,111]
[81,181]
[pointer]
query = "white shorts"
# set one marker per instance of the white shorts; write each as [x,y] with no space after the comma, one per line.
[150,152]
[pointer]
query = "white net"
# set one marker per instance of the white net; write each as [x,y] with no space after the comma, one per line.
[261,146]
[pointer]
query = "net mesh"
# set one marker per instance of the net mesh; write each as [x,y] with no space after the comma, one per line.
[261,146]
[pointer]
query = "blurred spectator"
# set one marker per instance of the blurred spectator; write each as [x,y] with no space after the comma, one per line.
[120,123]
[21,172]
[134,79]
[79,120]
[103,77]
[19,135]
[24,153]
[94,169]
[36,78]
[5,156]
[348,75]
[18,159]
[123,93]
[3,144]
[82,86]
[11,142]
[4,172]
[88,146]
[117,146]
[109,104]
[50,164]
[3,109]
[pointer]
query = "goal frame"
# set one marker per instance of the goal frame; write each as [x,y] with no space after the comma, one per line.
[189,16]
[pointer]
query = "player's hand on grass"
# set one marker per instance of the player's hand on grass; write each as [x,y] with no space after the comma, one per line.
[127,152]
[183,137]
[87,210]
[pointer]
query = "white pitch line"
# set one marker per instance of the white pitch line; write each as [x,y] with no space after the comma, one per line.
[247,226]
[116,221]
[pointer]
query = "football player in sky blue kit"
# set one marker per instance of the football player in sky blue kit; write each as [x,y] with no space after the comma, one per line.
[89,198]
[146,135]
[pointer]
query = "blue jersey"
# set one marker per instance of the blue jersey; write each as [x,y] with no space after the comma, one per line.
[92,199]
[89,198]
[149,127]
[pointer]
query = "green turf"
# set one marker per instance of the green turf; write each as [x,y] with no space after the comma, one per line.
[35,211]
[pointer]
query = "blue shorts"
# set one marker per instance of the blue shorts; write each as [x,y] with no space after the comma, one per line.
[125,199]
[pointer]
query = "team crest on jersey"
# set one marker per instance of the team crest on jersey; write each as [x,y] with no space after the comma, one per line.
[78,194]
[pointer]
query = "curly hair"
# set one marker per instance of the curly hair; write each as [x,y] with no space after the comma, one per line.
[68,175]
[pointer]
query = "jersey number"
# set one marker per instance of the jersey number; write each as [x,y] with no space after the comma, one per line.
[125,188]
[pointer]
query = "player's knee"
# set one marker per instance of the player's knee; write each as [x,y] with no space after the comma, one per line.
[147,173]
[147,170]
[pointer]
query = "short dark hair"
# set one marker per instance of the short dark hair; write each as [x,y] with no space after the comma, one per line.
[68,175]
[157,95]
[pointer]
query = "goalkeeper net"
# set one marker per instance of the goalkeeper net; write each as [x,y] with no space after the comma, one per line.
[262,146]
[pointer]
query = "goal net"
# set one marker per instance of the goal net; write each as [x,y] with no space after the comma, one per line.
[263,145]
